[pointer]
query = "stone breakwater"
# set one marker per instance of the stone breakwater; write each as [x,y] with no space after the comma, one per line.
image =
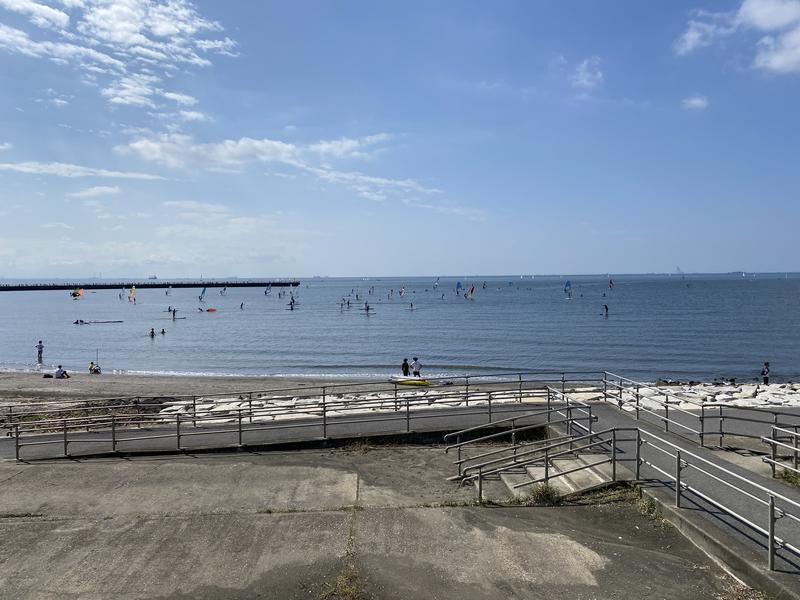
[693,396]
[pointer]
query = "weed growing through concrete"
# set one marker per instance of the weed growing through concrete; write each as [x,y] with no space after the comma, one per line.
[357,447]
[790,477]
[542,494]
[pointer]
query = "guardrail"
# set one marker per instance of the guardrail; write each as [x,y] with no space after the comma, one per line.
[670,461]
[466,385]
[787,440]
[344,404]
[700,422]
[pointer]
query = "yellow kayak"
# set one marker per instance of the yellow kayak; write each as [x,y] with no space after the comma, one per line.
[415,381]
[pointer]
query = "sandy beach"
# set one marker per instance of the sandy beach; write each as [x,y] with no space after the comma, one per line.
[32,387]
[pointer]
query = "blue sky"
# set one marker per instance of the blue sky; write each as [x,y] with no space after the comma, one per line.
[363,138]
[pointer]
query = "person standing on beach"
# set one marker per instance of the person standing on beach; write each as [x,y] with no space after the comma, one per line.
[765,373]
[39,352]
[416,367]
[405,367]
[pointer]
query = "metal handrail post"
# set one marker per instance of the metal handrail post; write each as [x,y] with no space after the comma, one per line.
[514,435]
[638,453]
[396,405]
[460,464]
[16,441]
[546,465]
[178,430]
[619,394]
[721,430]
[10,414]
[490,407]
[605,386]
[794,454]
[613,455]
[113,434]
[637,401]
[194,411]
[548,404]
[325,410]
[703,426]
[771,540]
[240,428]
[666,413]
[678,478]
[480,485]
[773,452]
[563,382]
[66,453]
[589,424]
[250,407]
[520,387]
[408,415]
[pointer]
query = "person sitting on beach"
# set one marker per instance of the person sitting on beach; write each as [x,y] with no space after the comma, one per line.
[405,367]
[416,367]
[94,369]
[61,373]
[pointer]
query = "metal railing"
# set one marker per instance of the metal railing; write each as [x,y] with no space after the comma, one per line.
[702,420]
[344,404]
[692,477]
[784,439]
[465,385]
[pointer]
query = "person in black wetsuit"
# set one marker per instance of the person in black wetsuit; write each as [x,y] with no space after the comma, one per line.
[405,368]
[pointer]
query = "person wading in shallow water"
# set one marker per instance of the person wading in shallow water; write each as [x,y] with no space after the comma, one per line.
[416,367]
[405,367]
[765,373]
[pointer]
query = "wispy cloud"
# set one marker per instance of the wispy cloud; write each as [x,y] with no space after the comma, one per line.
[57,225]
[695,103]
[69,170]
[6,146]
[127,46]
[587,75]
[96,191]
[777,22]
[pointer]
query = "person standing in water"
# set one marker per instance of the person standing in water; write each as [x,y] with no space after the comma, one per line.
[416,367]
[152,333]
[39,352]
[605,310]
[765,373]
[405,367]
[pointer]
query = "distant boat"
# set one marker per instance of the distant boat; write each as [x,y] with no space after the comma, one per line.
[152,277]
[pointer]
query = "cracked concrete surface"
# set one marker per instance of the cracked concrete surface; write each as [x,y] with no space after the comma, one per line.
[285,525]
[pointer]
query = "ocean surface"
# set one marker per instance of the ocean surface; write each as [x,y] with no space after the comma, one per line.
[683,327]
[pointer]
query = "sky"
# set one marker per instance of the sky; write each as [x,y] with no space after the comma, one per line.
[362,138]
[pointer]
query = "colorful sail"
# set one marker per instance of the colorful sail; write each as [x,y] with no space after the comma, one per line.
[132,294]
[202,294]
[77,293]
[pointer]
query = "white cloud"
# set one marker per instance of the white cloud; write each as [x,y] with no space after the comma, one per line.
[183,99]
[68,170]
[695,103]
[6,146]
[121,43]
[38,14]
[777,52]
[94,192]
[587,75]
[193,115]
[57,225]
[351,148]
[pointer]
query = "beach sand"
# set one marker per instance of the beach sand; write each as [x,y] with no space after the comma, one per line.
[32,387]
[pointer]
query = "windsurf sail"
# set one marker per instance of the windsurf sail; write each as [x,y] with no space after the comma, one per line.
[459,287]
[402,291]
[223,291]
[610,283]
[436,283]
[568,287]
[202,294]
[132,294]
[77,293]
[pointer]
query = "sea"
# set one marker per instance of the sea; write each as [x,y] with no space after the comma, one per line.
[684,327]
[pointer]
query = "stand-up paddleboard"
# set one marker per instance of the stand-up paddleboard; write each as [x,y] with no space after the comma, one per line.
[409,381]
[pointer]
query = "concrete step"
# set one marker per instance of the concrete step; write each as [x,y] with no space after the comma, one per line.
[585,479]
[604,471]
[561,485]
[512,479]
[495,490]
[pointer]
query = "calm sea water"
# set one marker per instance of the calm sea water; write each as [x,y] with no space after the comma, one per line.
[658,326]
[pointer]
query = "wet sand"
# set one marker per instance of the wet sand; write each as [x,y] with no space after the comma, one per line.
[32,387]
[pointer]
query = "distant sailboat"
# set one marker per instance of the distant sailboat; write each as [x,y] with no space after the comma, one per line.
[202,295]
